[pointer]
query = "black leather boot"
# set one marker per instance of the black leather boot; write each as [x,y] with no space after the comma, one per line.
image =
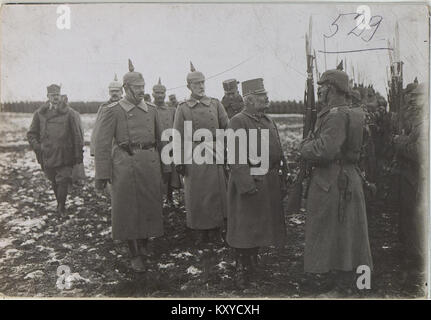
[136,261]
[62,190]
[142,247]
[254,259]
[243,268]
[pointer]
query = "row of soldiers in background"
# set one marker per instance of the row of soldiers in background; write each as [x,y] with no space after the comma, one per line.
[410,170]
[232,100]
[126,144]
[173,102]
[393,163]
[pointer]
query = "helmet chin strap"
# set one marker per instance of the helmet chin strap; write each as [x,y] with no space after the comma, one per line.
[135,101]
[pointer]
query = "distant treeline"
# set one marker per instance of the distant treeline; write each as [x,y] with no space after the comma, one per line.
[31,106]
[283,107]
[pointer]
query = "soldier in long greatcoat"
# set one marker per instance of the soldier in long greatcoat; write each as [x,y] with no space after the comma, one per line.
[411,151]
[255,213]
[336,230]
[128,154]
[204,183]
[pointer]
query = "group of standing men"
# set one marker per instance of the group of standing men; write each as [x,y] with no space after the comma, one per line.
[127,143]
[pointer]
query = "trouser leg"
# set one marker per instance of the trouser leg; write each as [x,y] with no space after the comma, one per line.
[63,178]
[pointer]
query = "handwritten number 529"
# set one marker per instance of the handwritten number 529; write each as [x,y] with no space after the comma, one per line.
[374,23]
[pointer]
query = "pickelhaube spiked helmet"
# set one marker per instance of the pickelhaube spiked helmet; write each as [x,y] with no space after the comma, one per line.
[337,78]
[410,87]
[115,84]
[194,75]
[133,77]
[159,87]
[420,89]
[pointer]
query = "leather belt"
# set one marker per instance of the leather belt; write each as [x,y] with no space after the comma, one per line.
[141,146]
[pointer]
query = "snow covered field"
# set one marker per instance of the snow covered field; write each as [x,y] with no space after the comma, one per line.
[35,242]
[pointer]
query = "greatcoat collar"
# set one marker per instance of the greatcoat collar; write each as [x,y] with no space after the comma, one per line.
[127,105]
[193,102]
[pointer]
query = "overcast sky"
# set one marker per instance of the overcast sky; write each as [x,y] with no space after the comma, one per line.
[241,41]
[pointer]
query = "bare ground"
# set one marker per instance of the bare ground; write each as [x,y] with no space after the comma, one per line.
[34,242]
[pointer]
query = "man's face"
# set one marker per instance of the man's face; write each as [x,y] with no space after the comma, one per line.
[261,102]
[322,93]
[407,98]
[54,98]
[230,94]
[159,96]
[197,88]
[173,100]
[136,91]
[115,94]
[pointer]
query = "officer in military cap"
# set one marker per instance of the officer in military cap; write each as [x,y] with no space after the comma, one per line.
[336,231]
[255,214]
[166,116]
[55,138]
[204,184]
[173,101]
[115,94]
[127,153]
[232,100]
[410,149]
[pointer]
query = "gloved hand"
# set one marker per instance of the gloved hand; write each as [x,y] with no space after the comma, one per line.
[100,184]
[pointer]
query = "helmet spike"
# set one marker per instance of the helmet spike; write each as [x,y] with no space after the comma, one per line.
[192,67]
[115,77]
[160,81]
[131,67]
